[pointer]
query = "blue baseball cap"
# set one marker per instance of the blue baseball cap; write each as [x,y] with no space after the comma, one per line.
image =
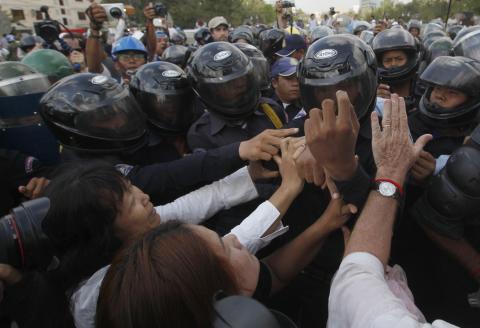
[284,66]
[292,43]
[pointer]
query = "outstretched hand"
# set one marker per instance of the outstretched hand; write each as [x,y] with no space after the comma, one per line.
[286,164]
[337,212]
[264,145]
[332,138]
[393,150]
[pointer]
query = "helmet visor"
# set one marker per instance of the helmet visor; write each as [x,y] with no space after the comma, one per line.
[121,120]
[234,97]
[24,85]
[170,112]
[358,89]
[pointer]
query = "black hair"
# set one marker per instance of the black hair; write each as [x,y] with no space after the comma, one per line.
[84,202]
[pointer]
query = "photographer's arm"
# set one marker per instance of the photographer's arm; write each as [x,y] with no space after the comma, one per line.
[280,13]
[149,12]
[94,49]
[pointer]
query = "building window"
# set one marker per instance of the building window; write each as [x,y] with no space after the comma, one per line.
[65,21]
[81,16]
[61,2]
[38,15]
[62,11]
[17,15]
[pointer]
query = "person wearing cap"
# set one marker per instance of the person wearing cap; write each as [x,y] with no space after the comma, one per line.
[218,27]
[162,42]
[295,47]
[285,84]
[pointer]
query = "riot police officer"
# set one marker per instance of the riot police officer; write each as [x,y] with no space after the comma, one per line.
[165,95]
[270,41]
[93,116]
[398,59]
[449,108]
[226,81]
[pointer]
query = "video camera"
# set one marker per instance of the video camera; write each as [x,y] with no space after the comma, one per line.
[48,29]
[287,4]
[160,9]
[23,244]
[332,11]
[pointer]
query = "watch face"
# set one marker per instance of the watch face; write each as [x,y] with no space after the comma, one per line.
[387,189]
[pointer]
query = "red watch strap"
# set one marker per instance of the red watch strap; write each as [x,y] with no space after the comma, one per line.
[396,184]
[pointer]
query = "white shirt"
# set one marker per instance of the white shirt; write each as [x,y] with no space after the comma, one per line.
[360,298]
[193,208]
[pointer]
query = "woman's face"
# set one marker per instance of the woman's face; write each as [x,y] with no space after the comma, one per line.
[246,266]
[136,214]
[447,98]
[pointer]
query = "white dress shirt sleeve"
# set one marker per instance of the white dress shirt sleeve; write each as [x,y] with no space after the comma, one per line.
[360,297]
[203,203]
[250,231]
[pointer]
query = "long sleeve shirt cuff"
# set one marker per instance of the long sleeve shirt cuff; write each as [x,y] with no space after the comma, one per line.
[250,231]
[203,203]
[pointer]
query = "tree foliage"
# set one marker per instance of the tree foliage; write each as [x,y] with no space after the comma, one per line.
[422,9]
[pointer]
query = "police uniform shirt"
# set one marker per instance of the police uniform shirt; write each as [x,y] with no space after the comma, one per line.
[212,131]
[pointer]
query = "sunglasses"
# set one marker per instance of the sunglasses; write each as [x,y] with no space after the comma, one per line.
[125,57]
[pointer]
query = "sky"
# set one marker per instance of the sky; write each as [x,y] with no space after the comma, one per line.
[309,6]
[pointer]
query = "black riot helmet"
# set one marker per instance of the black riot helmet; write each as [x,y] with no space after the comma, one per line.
[164,94]
[224,78]
[177,54]
[242,32]
[396,39]
[17,79]
[203,36]
[270,41]
[262,67]
[453,30]
[319,32]
[414,23]
[440,47]
[432,26]
[468,45]
[93,113]
[458,73]
[431,37]
[361,26]
[464,31]
[339,62]
[367,36]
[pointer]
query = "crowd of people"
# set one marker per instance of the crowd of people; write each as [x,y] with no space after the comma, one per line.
[256,176]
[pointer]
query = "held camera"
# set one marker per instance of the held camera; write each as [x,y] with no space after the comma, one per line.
[48,29]
[332,11]
[23,244]
[160,9]
[287,4]
[114,10]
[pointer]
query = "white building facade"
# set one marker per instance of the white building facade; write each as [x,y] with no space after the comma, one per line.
[23,13]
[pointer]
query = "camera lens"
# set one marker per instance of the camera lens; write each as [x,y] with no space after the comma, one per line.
[22,242]
[116,12]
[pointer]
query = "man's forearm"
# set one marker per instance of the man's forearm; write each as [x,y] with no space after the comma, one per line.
[95,54]
[151,40]
[289,260]
[373,230]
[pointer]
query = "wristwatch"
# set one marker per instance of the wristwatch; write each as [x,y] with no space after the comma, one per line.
[387,188]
